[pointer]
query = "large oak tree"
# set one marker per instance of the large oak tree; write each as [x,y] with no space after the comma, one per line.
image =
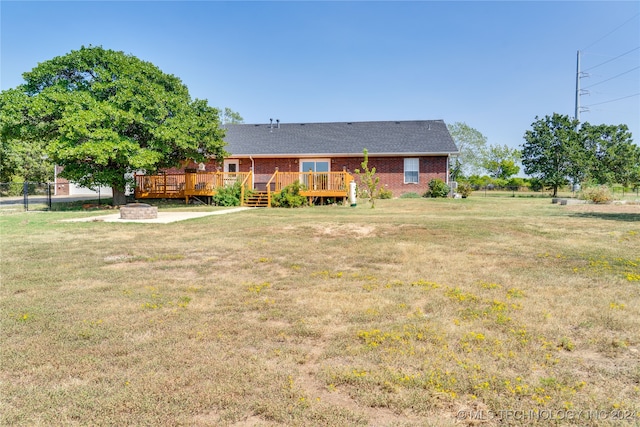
[558,149]
[104,114]
[549,150]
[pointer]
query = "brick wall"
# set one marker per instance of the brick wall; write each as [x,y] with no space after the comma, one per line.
[62,187]
[390,170]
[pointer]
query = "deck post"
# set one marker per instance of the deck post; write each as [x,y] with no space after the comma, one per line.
[189,185]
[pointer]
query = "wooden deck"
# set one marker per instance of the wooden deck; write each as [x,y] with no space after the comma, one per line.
[206,184]
[316,184]
[186,185]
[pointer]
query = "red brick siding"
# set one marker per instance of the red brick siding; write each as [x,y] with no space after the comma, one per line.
[62,187]
[390,170]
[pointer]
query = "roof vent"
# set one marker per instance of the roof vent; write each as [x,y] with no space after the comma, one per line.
[278,123]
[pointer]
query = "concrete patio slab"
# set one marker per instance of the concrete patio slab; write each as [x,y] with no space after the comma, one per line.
[163,217]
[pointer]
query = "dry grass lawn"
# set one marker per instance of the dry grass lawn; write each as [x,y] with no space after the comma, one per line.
[496,311]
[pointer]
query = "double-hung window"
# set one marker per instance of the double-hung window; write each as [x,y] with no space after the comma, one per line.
[411,170]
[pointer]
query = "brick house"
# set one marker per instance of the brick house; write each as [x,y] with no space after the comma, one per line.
[406,154]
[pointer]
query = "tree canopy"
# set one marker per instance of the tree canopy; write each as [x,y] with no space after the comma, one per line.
[558,150]
[610,156]
[471,145]
[549,150]
[21,154]
[500,161]
[104,114]
[228,116]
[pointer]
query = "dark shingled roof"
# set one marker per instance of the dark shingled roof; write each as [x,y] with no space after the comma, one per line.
[420,137]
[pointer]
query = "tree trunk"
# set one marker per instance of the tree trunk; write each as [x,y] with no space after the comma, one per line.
[119,198]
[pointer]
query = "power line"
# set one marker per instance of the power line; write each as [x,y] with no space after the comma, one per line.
[612,59]
[614,30]
[613,100]
[581,74]
[614,77]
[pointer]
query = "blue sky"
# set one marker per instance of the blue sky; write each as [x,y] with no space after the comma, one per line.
[494,65]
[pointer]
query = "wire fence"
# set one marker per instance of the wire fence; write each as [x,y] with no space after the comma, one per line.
[618,192]
[33,196]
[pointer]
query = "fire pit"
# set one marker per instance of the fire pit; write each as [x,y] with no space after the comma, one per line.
[138,211]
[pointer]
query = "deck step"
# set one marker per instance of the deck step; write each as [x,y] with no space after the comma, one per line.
[258,199]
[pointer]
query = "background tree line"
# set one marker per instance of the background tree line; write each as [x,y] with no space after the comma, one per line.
[557,151]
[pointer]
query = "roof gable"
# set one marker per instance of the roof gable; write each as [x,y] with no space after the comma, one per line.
[421,137]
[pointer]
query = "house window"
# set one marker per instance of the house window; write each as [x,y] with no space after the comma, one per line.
[313,165]
[411,170]
[315,173]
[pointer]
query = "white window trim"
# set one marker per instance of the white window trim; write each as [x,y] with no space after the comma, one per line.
[301,161]
[405,170]
[228,162]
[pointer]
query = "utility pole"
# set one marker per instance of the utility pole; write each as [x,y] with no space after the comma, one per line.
[579,92]
[577,115]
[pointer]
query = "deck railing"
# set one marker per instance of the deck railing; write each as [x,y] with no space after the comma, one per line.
[195,184]
[316,184]
[247,184]
[165,186]
[179,185]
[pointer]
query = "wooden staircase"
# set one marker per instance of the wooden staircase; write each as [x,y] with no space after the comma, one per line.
[257,199]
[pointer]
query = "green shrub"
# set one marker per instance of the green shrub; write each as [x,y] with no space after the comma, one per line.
[464,189]
[289,197]
[411,195]
[437,188]
[229,195]
[597,194]
[384,193]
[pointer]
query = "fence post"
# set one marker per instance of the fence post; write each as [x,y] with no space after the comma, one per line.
[25,194]
[49,185]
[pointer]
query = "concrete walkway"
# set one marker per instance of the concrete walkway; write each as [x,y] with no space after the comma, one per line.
[163,217]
